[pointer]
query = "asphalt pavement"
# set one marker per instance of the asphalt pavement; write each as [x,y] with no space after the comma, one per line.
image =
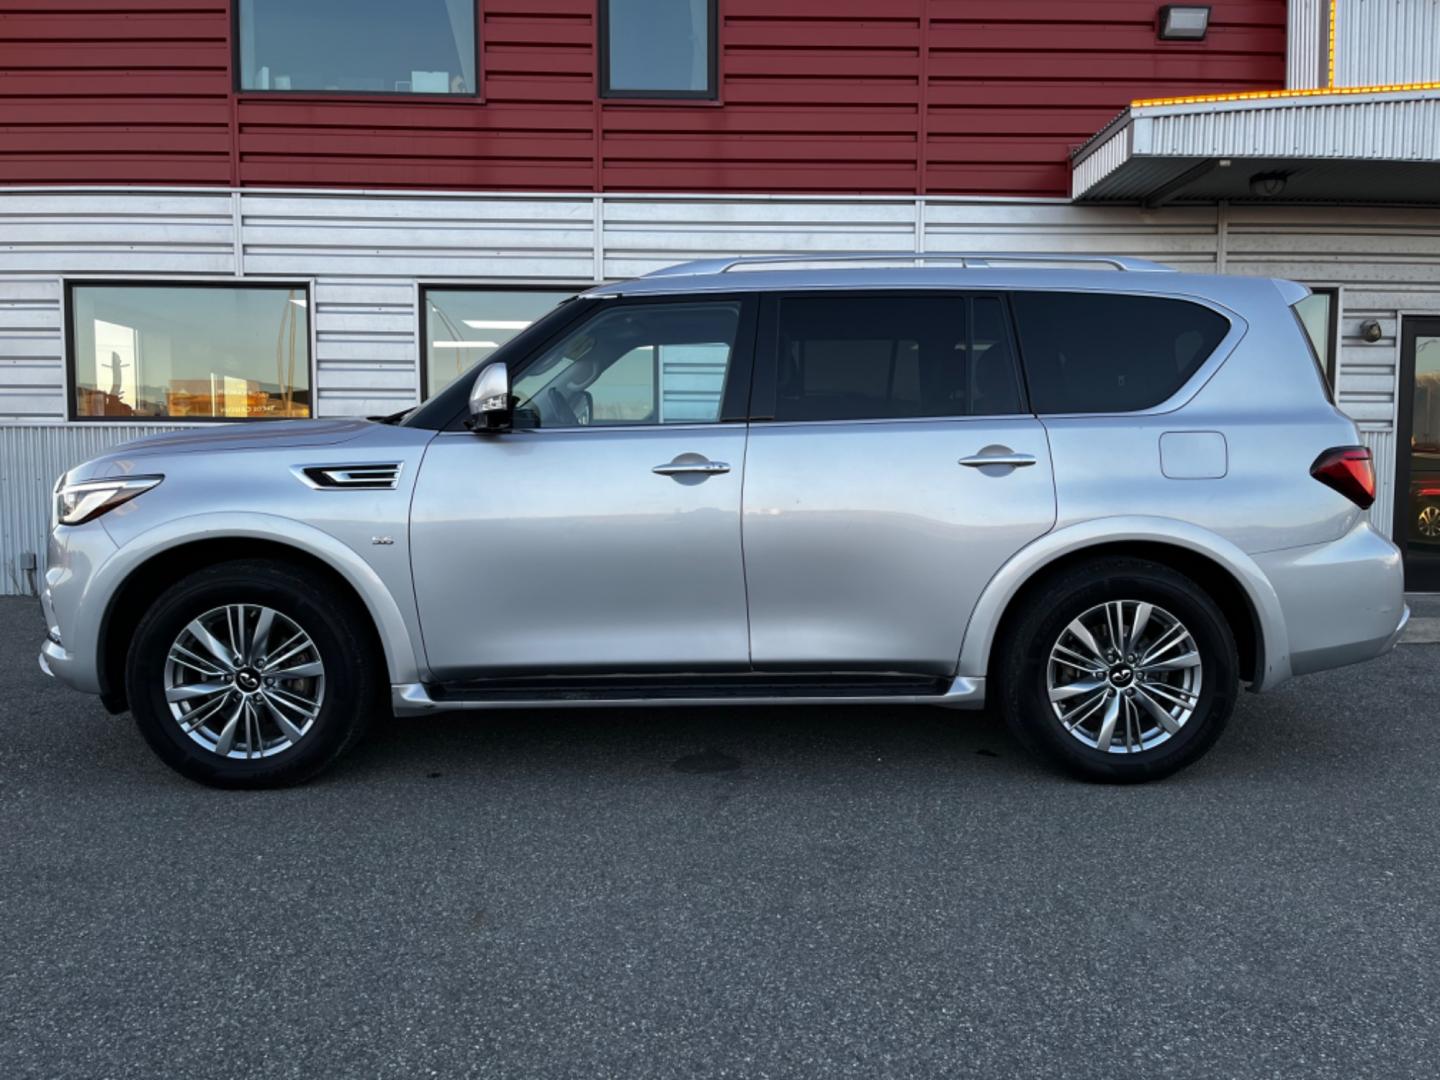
[727,893]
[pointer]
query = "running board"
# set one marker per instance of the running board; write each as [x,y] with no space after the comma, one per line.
[412,699]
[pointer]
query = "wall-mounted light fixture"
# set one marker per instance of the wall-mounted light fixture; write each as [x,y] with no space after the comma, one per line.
[1184,22]
[1267,185]
[1371,331]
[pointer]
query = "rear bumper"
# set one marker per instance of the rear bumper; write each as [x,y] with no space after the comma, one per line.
[1343,602]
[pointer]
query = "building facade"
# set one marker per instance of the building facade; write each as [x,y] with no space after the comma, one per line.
[226,210]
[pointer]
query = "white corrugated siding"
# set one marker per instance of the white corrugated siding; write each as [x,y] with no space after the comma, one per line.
[1307,44]
[365,254]
[1398,127]
[1385,42]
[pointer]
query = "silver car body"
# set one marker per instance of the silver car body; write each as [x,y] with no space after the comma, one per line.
[826,546]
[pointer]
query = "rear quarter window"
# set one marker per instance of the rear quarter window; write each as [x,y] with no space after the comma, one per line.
[1103,353]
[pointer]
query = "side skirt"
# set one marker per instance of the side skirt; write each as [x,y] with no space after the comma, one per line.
[414,699]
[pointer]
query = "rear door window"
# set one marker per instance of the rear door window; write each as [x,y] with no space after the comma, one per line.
[882,357]
[1104,353]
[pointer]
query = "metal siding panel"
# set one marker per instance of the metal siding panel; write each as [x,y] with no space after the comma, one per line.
[130,93]
[1385,42]
[874,96]
[31,374]
[1307,44]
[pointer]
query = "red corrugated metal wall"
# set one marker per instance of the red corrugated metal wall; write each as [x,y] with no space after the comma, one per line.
[940,96]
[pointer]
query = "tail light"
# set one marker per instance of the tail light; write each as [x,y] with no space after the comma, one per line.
[1349,470]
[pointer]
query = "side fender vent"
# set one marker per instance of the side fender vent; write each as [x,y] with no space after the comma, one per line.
[382,477]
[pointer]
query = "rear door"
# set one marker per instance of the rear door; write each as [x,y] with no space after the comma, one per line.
[892,469]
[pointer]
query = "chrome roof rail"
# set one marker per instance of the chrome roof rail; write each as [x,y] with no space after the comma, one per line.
[964,258]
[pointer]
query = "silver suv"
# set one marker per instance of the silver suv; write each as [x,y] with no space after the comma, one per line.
[1097,500]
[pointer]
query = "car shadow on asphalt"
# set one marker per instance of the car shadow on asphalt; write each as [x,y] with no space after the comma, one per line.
[695,741]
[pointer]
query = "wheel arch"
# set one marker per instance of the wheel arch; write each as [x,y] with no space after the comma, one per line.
[1229,576]
[163,562]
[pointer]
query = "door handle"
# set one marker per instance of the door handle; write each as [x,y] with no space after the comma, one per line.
[687,468]
[1005,457]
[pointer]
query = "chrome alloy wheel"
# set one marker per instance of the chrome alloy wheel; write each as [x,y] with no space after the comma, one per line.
[1124,676]
[1427,522]
[244,681]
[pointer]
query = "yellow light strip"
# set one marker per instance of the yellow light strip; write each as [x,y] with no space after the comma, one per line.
[1330,69]
[1263,95]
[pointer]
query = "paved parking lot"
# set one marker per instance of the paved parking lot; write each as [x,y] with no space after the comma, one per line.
[727,893]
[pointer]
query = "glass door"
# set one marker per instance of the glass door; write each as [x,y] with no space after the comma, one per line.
[1417,454]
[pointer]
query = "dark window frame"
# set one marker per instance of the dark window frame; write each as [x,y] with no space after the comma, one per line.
[1331,361]
[739,377]
[425,287]
[764,394]
[68,320]
[1412,327]
[712,64]
[475,95]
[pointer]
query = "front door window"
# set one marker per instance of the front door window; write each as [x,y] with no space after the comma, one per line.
[638,364]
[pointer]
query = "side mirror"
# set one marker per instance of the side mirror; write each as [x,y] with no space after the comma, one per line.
[491,408]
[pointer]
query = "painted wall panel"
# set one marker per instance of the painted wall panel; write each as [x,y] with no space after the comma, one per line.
[859,96]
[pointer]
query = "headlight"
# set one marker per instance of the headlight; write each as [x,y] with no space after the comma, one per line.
[86,500]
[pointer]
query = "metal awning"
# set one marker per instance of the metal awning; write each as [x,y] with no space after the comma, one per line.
[1368,145]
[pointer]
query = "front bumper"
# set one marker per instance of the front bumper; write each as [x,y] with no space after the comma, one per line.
[72,611]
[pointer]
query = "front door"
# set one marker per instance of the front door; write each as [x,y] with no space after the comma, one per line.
[603,533]
[897,469]
[1417,454]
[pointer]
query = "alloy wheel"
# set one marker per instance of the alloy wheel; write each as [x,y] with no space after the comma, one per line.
[1124,676]
[244,681]
[1428,521]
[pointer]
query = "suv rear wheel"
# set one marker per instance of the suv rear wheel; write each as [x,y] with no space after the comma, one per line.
[247,675]
[1119,670]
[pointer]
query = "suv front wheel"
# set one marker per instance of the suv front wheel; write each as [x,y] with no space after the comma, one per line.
[248,675]
[1119,670]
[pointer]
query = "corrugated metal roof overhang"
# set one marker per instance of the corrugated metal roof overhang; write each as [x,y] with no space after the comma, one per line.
[1342,147]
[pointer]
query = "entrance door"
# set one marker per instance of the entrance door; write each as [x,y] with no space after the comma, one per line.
[1417,454]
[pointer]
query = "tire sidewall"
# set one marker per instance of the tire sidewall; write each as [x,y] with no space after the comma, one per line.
[328,624]
[1028,699]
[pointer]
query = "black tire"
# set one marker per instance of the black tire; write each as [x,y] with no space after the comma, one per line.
[1038,626]
[335,625]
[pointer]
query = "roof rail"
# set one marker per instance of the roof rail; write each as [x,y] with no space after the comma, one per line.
[964,258]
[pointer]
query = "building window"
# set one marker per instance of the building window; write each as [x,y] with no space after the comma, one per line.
[1320,315]
[657,48]
[358,46]
[189,352]
[464,326]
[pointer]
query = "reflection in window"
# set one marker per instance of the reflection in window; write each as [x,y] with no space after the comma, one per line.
[658,48]
[465,326]
[374,46]
[883,358]
[190,351]
[1317,314]
[646,364]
